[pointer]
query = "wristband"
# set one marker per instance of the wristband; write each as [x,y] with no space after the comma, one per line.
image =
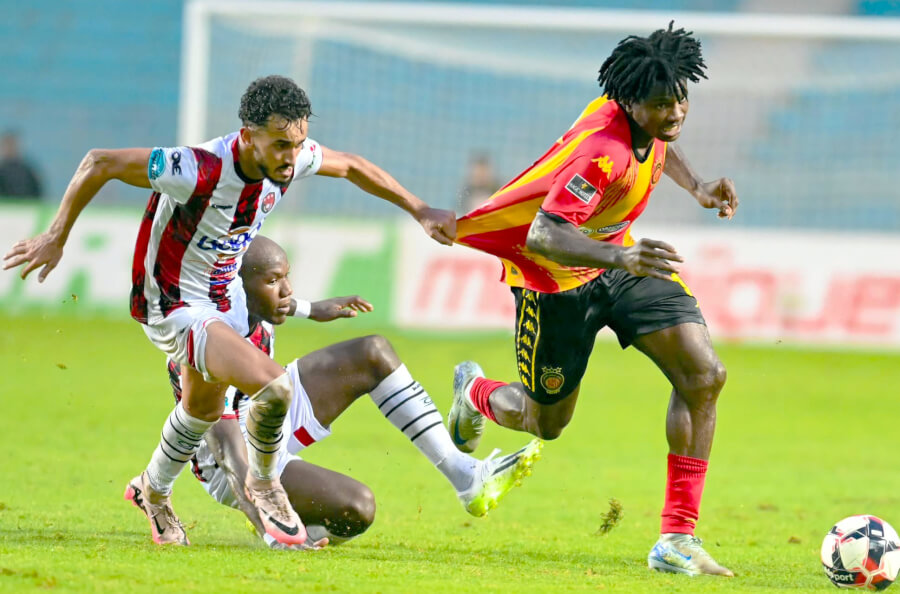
[302,309]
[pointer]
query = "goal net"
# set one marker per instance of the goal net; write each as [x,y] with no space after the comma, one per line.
[800,111]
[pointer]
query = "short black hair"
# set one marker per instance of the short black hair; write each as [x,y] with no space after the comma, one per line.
[273,95]
[637,64]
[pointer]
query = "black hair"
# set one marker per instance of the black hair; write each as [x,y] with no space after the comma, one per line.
[637,64]
[273,95]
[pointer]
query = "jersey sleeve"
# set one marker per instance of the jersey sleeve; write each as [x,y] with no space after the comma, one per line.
[173,171]
[578,187]
[309,160]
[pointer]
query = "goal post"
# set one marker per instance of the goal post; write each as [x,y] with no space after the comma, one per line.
[796,109]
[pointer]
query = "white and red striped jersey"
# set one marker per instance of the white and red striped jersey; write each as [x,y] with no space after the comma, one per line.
[199,222]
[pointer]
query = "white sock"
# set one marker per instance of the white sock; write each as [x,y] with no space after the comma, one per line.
[181,436]
[406,404]
[264,424]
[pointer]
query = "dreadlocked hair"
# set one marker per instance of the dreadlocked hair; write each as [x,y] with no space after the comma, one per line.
[669,57]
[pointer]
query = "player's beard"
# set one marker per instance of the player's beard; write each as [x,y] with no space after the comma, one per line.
[268,175]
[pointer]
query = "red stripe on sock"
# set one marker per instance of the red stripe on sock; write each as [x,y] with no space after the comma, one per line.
[480,395]
[684,489]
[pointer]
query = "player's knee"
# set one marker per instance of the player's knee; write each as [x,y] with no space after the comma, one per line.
[549,429]
[358,510]
[275,398]
[704,386]
[379,355]
[549,426]
[713,379]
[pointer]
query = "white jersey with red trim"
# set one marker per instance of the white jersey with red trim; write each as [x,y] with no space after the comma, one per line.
[198,224]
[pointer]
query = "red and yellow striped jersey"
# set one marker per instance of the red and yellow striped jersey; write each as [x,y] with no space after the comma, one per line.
[589,177]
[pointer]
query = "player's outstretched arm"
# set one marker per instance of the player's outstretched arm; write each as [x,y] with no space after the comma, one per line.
[562,242]
[719,194]
[327,310]
[439,224]
[98,167]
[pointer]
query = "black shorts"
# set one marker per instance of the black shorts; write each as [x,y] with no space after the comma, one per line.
[555,332]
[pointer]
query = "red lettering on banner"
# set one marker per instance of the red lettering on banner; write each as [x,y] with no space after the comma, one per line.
[835,308]
[448,279]
[874,305]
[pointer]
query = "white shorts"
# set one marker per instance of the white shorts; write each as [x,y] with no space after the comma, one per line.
[301,429]
[182,334]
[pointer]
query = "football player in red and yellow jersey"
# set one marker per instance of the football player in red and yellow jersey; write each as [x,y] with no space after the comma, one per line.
[562,232]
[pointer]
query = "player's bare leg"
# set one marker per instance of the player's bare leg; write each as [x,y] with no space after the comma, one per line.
[685,355]
[370,365]
[515,410]
[332,505]
[182,432]
[234,361]
[475,397]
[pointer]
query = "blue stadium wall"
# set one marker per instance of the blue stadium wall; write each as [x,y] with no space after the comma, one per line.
[105,73]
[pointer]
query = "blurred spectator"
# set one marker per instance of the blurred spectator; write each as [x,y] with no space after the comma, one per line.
[18,178]
[480,182]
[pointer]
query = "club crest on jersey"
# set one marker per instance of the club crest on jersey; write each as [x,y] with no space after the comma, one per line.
[581,189]
[157,164]
[268,202]
[552,379]
[657,173]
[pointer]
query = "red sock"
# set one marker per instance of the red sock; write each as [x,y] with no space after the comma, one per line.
[684,489]
[480,393]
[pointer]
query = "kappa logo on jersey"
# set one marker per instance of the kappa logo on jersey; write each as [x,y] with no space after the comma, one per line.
[157,164]
[233,243]
[604,163]
[268,202]
[581,189]
[176,163]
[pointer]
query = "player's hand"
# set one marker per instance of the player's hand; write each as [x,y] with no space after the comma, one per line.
[440,225]
[306,546]
[338,307]
[719,194]
[649,257]
[43,250]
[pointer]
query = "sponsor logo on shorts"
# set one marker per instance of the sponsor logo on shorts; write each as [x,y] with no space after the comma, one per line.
[157,164]
[552,379]
[581,189]
[268,202]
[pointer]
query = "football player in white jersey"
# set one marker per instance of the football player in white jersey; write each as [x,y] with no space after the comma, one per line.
[209,201]
[330,504]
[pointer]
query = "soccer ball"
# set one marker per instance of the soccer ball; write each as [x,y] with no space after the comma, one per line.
[861,552]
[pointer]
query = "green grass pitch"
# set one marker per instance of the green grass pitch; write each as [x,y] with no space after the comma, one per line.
[804,439]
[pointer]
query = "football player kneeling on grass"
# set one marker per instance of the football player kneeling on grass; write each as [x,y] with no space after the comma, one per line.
[331,505]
